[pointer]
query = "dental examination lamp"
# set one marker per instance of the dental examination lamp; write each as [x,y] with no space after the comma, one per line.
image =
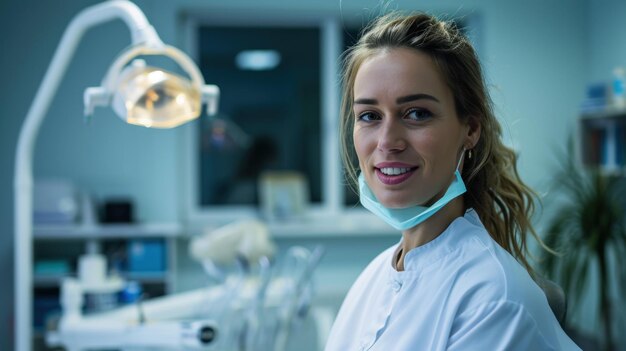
[139,94]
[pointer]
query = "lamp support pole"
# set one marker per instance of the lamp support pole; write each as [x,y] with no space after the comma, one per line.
[141,32]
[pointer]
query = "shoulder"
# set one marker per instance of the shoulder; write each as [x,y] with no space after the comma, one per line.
[495,295]
[487,273]
[492,291]
[506,325]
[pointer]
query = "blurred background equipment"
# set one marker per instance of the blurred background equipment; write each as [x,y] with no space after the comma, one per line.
[253,301]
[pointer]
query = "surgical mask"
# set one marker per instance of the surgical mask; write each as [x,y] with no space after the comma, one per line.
[405,218]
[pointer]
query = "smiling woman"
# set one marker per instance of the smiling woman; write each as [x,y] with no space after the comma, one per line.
[432,164]
[411,126]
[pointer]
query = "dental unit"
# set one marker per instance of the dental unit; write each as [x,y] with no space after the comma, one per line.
[243,311]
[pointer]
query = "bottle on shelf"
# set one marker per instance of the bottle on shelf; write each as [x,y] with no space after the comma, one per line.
[619,95]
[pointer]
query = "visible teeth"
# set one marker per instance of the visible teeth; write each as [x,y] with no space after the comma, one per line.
[394,171]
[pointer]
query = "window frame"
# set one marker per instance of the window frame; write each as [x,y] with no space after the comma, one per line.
[330,50]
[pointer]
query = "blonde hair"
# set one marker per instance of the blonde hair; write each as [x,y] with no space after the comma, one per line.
[494,188]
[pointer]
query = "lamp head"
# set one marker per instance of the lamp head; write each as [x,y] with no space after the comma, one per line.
[153,97]
[150,96]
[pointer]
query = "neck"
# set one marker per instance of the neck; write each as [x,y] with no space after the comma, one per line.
[430,229]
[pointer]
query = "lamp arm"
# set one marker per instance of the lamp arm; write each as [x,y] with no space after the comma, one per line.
[141,32]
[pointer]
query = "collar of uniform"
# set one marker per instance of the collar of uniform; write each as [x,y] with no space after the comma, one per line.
[422,256]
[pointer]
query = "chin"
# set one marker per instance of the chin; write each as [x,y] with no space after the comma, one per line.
[394,202]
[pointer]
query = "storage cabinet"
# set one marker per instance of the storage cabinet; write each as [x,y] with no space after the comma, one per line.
[142,253]
[603,140]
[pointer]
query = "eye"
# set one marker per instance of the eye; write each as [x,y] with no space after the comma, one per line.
[418,114]
[367,117]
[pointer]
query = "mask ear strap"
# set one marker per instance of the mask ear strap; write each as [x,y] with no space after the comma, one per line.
[460,158]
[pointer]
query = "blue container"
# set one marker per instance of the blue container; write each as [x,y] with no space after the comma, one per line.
[146,255]
[132,292]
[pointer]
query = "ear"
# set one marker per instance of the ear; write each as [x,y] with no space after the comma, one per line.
[473,132]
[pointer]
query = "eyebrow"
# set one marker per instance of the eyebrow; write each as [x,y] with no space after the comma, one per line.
[400,100]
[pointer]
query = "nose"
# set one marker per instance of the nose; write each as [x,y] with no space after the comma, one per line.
[391,138]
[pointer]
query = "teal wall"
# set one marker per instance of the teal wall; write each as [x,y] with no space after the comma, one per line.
[606,38]
[538,56]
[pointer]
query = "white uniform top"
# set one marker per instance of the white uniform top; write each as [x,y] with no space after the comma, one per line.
[461,291]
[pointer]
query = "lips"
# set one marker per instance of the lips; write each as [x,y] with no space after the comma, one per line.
[392,173]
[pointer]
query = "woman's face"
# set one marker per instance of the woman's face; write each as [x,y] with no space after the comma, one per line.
[407,135]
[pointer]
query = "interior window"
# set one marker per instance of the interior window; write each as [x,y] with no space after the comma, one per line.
[269,110]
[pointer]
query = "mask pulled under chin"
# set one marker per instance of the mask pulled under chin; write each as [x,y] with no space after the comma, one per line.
[405,218]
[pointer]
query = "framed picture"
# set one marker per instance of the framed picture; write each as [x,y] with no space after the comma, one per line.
[283,195]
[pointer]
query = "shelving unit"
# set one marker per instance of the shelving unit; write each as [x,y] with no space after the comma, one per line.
[65,243]
[603,140]
[91,231]
[54,280]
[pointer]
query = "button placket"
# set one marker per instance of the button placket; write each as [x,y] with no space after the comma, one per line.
[383,316]
[396,285]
